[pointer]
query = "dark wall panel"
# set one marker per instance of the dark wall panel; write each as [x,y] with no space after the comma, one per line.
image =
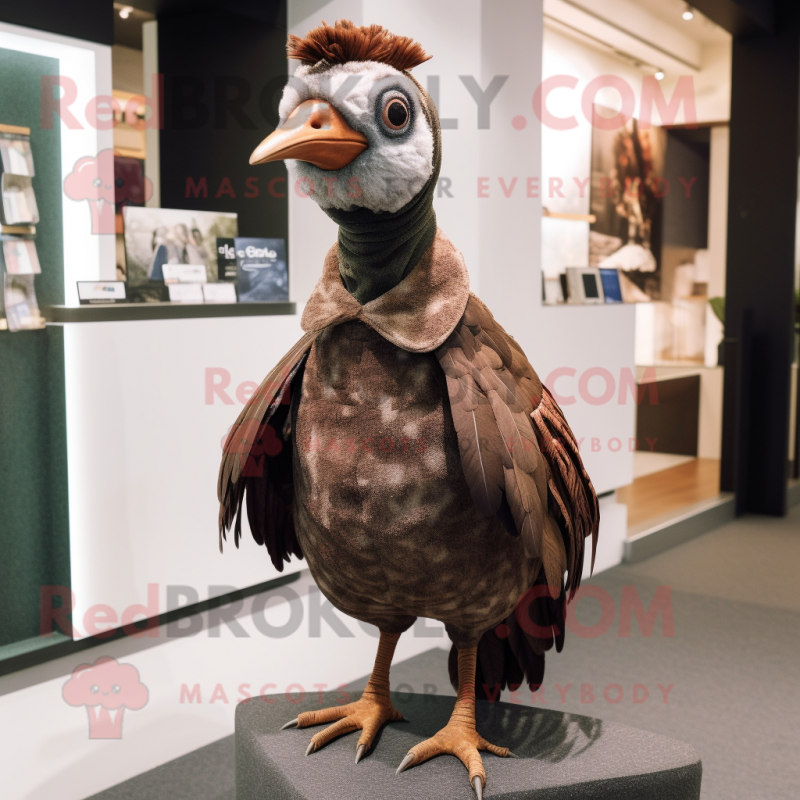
[223,77]
[686,168]
[34,518]
[669,420]
[762,206]
[83,19]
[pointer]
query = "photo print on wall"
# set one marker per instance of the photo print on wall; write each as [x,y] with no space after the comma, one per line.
[626,197]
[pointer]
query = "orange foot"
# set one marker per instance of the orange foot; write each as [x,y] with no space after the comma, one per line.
[460,739]
[367,714]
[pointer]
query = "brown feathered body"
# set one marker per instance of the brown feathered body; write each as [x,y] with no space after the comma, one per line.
[383,512]
[408,450]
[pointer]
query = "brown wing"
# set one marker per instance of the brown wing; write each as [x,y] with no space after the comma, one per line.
[570,485]
[257,460]
[516,448]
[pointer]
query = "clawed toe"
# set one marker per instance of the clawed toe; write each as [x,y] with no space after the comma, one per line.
[367,714]
[461,741]
[405,763]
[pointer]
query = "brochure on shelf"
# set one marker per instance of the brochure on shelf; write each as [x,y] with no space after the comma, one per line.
[3,320]
[184,273]
[20,257]
[19,202]
[223,292]
[185,293]
[22,308]
[16,156]
[226,259]
[101,292]
[262,274]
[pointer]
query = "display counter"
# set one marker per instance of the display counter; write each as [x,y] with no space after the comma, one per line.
[127,312]
[148,405]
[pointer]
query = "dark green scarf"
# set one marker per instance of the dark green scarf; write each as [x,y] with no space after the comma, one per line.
[376,251]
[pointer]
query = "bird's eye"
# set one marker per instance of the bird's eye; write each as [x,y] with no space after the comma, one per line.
[396,113]
[94,689]
[116,688]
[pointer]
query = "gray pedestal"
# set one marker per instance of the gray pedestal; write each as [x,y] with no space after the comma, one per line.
[561,756]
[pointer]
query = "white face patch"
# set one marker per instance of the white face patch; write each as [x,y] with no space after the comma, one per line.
[395,166]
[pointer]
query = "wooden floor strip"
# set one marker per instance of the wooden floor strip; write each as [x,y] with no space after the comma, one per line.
[669,490]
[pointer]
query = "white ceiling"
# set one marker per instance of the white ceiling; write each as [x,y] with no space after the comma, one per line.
[700,28]
[650,33]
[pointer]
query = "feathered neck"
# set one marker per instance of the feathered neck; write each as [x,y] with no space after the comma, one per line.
[376,251]
[417,315]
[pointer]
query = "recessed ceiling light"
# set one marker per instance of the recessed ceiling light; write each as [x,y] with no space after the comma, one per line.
[688,14]
[659,76]
[125,12]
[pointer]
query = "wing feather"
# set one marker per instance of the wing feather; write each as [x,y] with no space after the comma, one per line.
[253,472]
[516,446]
[481,458]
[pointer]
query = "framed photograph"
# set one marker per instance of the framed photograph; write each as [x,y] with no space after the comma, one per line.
[155,237]
[626,197]
[611,285]
[585,285]
[552,293]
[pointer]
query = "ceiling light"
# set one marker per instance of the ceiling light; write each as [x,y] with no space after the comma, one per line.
[125,12]
[688,14]
[659,76]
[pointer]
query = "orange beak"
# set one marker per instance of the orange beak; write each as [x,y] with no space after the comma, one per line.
[315,132]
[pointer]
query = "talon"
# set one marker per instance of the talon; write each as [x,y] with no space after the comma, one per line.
[311,748]
[511,755]
[362,748]
[291,724]
[405,763]
[477,784]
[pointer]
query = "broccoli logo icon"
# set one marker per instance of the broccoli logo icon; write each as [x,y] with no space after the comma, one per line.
[106,181]
[106,688]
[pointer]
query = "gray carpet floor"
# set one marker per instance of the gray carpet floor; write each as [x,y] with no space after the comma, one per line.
[733,663]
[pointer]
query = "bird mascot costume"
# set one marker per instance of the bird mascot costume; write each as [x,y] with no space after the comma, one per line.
[405,446]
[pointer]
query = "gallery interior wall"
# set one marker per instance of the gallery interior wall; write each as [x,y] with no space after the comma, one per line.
[34,528]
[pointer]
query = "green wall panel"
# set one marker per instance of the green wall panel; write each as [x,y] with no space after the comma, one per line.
[34,520]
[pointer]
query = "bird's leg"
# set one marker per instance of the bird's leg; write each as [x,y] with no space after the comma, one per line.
[459,737]
[368,713]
